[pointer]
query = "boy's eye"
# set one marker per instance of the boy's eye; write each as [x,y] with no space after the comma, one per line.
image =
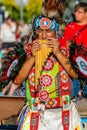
[39,30]
[48,30]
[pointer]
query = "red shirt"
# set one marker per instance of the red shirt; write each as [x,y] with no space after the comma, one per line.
[80,51]
[71,30]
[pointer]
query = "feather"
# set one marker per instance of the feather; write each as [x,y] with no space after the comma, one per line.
[76,51]
[53,4]
[11,64]
[53,8]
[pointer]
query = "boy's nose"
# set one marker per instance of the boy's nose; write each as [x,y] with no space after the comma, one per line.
[44,34]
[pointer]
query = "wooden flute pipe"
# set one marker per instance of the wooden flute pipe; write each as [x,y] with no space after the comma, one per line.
[40,59]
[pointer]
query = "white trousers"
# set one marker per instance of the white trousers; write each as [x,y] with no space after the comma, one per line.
[52,119]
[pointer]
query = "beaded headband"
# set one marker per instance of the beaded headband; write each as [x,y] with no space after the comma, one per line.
[45,23]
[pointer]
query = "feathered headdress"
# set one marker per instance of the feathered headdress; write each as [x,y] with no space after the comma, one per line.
[11,65]
[53,8]
[78,59]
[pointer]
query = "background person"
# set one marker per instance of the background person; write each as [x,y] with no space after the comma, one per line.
[7,33]
[73,33]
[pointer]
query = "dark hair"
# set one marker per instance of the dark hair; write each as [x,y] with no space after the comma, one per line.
[9,17]
[81,5]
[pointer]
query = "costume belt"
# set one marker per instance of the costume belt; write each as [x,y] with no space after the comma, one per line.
[53,103]
[49,104]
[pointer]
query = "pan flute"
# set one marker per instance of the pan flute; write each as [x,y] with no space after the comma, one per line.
[40,59]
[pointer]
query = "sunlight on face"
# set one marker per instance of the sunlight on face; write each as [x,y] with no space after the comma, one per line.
[80,15]
[46,33]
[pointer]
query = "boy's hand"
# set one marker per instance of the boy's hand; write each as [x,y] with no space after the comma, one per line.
[35,47]
[53,43]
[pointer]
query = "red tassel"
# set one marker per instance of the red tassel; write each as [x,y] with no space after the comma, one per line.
[34,121]
[65,119]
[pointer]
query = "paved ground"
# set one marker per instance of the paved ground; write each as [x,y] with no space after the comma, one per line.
[82,108]
[85,126]
[10,106]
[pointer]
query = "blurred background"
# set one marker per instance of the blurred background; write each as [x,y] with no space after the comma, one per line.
[20,9]
[27,9]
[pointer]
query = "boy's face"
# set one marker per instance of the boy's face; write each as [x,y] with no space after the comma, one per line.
[46,33]
[80,15]
[45,28]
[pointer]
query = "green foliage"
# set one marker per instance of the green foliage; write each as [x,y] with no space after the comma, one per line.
[33,8]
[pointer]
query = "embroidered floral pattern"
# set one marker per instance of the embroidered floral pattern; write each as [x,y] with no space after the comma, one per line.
[49,65]
[46,80]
